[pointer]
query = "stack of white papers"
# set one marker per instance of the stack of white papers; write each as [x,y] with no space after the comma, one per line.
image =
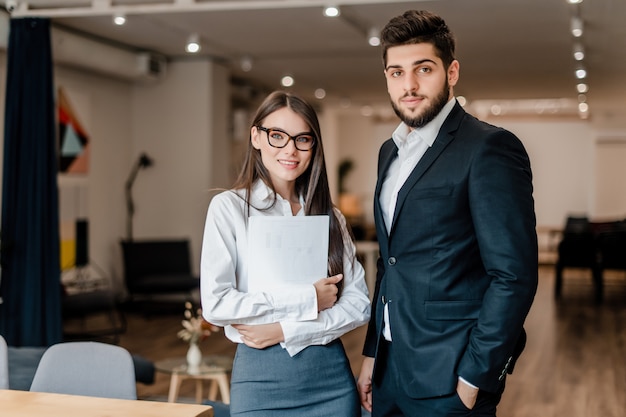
[286,251]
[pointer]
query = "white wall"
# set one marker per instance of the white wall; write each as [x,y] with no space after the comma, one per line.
[563,157]
[181,123]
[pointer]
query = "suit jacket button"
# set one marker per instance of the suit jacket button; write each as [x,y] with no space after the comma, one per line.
[391,261]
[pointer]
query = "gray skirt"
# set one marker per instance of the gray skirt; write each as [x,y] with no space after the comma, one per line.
[316,382]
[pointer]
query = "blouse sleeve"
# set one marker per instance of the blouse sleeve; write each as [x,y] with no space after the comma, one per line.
[222,302]
[351,310]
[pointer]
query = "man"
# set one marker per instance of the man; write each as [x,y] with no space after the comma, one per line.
[455,222]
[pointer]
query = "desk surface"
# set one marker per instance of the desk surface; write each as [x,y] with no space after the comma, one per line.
[37,404]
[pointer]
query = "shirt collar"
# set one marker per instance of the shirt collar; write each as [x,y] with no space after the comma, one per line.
[427,133]
[262,196]
[260,193]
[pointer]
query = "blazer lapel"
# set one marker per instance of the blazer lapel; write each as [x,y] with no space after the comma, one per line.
[444,137]
[387,155]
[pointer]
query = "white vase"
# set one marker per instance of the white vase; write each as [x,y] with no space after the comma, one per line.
[194,358]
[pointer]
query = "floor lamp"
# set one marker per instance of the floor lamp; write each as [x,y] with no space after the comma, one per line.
[144,161]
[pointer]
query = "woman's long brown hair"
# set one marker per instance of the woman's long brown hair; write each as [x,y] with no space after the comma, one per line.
[312,184]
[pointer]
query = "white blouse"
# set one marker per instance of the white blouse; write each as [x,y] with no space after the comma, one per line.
[223,270]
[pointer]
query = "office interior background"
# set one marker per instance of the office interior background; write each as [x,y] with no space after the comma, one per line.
[136,90]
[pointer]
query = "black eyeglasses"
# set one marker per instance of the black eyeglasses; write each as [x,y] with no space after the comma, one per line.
[278,138]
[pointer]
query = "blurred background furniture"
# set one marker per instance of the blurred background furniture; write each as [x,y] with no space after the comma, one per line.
[23,363]
[88,296]
[611,247]
[85,305]
[577,250]
[158,267]
[86,368]
[597,246]
[90,307]
[214,368]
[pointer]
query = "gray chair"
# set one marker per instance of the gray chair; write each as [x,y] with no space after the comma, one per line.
[4,364]
[86,368]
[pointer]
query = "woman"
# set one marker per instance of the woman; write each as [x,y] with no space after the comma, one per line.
[289,361]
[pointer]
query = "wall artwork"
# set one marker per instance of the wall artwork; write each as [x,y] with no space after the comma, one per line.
[73,139]
[74,145]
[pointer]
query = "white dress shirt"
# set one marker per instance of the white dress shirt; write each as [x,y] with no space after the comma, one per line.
[412,145]
[224,269]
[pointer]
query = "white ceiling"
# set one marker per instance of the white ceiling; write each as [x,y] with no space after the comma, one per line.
[508,49]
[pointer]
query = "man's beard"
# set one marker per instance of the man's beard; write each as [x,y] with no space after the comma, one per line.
[429,113]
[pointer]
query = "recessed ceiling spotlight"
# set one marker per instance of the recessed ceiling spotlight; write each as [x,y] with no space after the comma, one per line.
[583,107]
[581,73]
[574,1]
[367,110]
[579,52]
[193,44]
[577,26]
[331,11]
[320,93]
[119,19]
[287,81]
[373,37]
[582,88]
[246,63]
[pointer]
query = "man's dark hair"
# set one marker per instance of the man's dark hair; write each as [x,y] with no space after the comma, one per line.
[419,26]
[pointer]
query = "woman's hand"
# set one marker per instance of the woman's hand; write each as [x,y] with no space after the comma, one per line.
[260,336]
[326,290]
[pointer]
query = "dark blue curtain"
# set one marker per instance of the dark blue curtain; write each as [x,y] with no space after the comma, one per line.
[30,313]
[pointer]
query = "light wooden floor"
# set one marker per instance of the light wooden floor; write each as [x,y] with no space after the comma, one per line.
[574,364]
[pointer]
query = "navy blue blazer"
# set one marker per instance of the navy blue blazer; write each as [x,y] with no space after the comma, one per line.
[459,267]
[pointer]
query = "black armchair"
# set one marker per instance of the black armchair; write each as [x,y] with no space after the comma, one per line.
[153,267]
[611,246]
[577,249]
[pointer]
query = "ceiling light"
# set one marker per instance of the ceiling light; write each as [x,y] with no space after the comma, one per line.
[579,52]
[246,64]
[287,81]
[320,93]
[581,73]
[577,26]
[331,11]
[583,107]
[496,110]
[582,88]
[373,37]
[119,19]
[574,1]
[193,44]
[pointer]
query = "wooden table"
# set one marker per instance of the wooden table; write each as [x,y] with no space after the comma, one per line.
[215,368]
[38,404]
